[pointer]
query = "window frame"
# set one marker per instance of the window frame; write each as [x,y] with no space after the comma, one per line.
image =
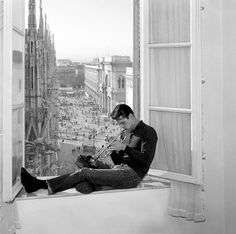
[1,99]
[140,107]
[195,47]
[10,191]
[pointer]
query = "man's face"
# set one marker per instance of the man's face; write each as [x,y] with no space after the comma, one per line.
[125,123]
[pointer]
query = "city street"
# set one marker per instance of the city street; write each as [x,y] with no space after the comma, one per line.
[83,129]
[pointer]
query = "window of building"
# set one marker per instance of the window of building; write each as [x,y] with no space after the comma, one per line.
[119,82]
[123,83]
[32,78]
[31,47]
[170,85]
[1,99]
[166,74]
[12,110]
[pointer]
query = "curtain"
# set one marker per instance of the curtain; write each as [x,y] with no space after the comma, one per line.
[185,201]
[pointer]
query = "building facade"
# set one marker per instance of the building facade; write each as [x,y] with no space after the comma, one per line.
[64,62]
[105,81]
[92,81]
[128,77]
[40,76]
[70,75]
[41,108]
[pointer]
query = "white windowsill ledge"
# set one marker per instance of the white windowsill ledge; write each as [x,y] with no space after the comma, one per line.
[148,183]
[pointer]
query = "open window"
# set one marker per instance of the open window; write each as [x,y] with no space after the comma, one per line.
[1,96]
[171,85]
[166,87]
[12,99]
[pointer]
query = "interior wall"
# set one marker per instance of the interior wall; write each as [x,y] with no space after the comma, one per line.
[141,211]
[229,111]
[212,99]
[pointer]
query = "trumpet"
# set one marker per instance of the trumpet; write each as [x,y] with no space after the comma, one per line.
[89,160]
[102,150]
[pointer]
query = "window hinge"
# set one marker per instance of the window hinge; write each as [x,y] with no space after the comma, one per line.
[203,156]
[202,5]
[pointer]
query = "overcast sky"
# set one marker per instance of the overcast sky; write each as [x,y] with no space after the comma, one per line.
[85,29]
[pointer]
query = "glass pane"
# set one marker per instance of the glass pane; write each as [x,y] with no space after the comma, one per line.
[17,143]
[169,21]
[1,111]
[17,13]
[1,59]
[170,77]
[173,151]
[17,69]
[74,117]
[17,78]
[17,42]
[1,146]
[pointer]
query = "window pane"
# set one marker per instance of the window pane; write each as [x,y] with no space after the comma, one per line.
[169,21]
[87,91]
[17,78]
[1,106]
[1,90]
[1,146]
[17,143]
[17,69]
[1,59]
[173,151]
[1,115]
[170,77]
[17,41]
[17,13]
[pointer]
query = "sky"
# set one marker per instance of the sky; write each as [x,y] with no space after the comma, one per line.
[86,29]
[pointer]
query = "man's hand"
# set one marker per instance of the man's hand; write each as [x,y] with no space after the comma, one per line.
[117,146]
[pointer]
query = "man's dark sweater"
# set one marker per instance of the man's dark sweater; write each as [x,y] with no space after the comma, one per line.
[140,151]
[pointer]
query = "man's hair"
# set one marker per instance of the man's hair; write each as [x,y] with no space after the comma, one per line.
[121,110]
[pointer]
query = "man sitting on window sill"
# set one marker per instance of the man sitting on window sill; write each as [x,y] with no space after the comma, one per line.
[132,161]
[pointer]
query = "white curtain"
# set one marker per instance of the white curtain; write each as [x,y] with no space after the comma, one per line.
[185,201]
[170,88]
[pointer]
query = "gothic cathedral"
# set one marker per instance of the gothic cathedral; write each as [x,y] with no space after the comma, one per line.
[40,78]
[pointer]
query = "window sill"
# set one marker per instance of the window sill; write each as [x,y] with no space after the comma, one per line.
[148,183]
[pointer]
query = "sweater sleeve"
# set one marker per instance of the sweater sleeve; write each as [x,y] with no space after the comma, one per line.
[145,155]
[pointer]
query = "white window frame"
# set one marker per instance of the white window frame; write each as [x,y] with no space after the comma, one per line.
[195,111]
[1,89]
[9,191]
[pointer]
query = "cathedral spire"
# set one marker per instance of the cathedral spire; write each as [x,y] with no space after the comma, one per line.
[32,15]
[45,27]
[41,26]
